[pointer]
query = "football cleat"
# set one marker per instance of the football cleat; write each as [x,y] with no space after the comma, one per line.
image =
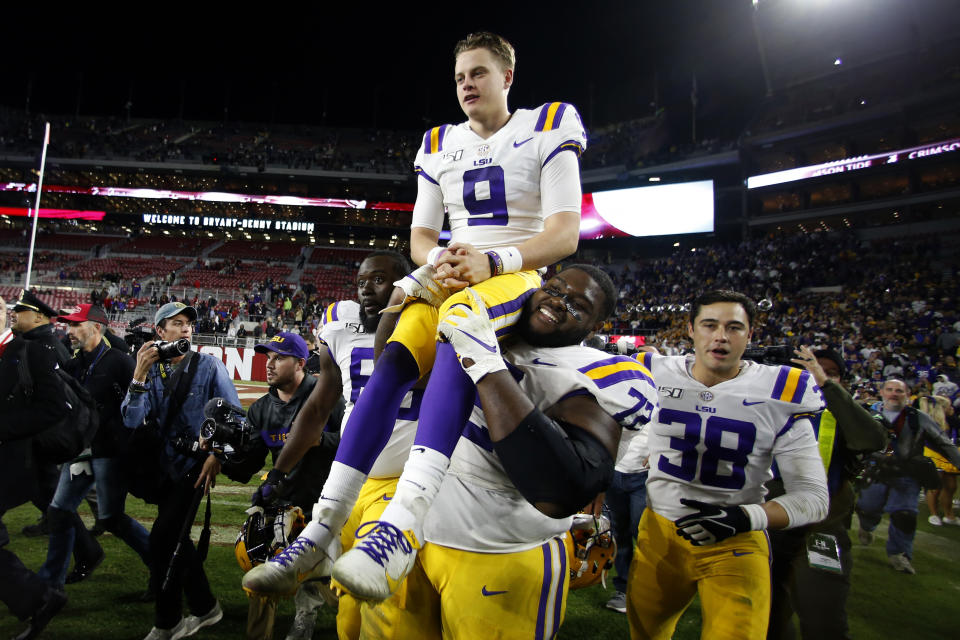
[281,575]
[378,563]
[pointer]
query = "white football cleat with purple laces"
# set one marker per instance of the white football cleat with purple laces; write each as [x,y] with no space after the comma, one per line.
[378,563]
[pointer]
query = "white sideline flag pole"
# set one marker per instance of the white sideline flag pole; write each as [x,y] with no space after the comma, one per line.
[36,206]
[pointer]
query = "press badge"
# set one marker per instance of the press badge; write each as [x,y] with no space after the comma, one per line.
[823,552]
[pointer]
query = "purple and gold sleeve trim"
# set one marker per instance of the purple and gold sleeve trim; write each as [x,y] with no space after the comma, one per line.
[569,145]
[606,373]
[645,358]
[791,385]
[331,314]
[550,116]
[423,174]
[433,139]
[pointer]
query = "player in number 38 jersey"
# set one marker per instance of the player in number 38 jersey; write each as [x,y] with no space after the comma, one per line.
[491,188]
[746,421]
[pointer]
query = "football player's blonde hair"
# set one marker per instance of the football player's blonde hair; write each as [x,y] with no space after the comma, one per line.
[497,45]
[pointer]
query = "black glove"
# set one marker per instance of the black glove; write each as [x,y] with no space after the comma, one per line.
[271,490]
[712,523]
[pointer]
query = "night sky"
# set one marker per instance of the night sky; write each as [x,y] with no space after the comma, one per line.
[393,69]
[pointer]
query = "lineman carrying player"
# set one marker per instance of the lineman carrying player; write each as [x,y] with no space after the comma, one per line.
[541,448]
[513,200]
[346,361]
[720,423]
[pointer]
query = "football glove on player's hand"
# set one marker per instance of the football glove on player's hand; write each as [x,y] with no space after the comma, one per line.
[712,523]
[420,285]
[469,330]
[271,490]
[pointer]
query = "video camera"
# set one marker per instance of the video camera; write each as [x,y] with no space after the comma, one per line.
[226,424]
[776,354]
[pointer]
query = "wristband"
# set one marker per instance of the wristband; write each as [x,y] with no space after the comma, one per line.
[512,260]
[758,517]
[434,254]
[496,264]
[507,260]
[137,387]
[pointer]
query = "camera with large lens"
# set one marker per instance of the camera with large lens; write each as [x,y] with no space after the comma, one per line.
[226,424]
[777,354]
[188,446]
[172,349]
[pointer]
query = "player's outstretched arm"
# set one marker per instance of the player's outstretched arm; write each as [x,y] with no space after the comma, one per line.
[308,426]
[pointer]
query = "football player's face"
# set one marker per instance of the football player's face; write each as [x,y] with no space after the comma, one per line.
[481,84]
[894,394]
[563,311]
[720,334]
[282,370]
[374,285]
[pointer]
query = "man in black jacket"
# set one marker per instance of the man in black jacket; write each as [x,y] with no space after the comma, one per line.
[900,473]
[272,416]
[32,320]
[815,592]
[105,372]
[26,594]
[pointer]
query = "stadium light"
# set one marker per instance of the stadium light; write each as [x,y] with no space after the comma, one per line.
[837,62]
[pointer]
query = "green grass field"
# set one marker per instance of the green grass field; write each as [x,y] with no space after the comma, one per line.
[103,607]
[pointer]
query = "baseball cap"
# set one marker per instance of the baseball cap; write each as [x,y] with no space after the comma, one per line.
[29,302]
[174,308]
[84,313]
[285,343]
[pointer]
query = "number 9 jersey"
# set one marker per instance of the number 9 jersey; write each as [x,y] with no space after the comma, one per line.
[491,188]
[717,444]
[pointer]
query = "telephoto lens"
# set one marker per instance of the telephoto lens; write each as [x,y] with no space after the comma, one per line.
[172,349]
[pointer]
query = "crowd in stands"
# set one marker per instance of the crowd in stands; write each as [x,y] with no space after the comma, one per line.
[888,304]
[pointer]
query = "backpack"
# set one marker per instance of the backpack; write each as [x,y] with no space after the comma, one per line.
[65,440]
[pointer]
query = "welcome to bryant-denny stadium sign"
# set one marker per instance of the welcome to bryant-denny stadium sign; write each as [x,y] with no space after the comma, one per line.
[163,219]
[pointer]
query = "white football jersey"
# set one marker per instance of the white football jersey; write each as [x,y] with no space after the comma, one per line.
[717,444]
[351,347]
[478,507]
[490,188]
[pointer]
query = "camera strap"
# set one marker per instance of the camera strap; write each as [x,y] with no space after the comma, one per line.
[181,387]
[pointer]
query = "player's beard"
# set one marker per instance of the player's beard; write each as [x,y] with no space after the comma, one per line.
[369,322]
[558,338]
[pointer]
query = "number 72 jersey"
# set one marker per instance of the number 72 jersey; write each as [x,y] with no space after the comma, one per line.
[717,444]
[490,187]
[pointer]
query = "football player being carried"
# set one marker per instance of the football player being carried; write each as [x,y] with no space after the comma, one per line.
[721,423]
[512,196]
[345,361]
[539,445]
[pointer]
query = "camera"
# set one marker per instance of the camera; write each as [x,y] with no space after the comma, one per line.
[226,424]
[172,349]
[776,354]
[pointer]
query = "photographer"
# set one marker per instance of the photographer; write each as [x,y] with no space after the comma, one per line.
[271,417]
[816,594]
[167,395]
[899,473]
